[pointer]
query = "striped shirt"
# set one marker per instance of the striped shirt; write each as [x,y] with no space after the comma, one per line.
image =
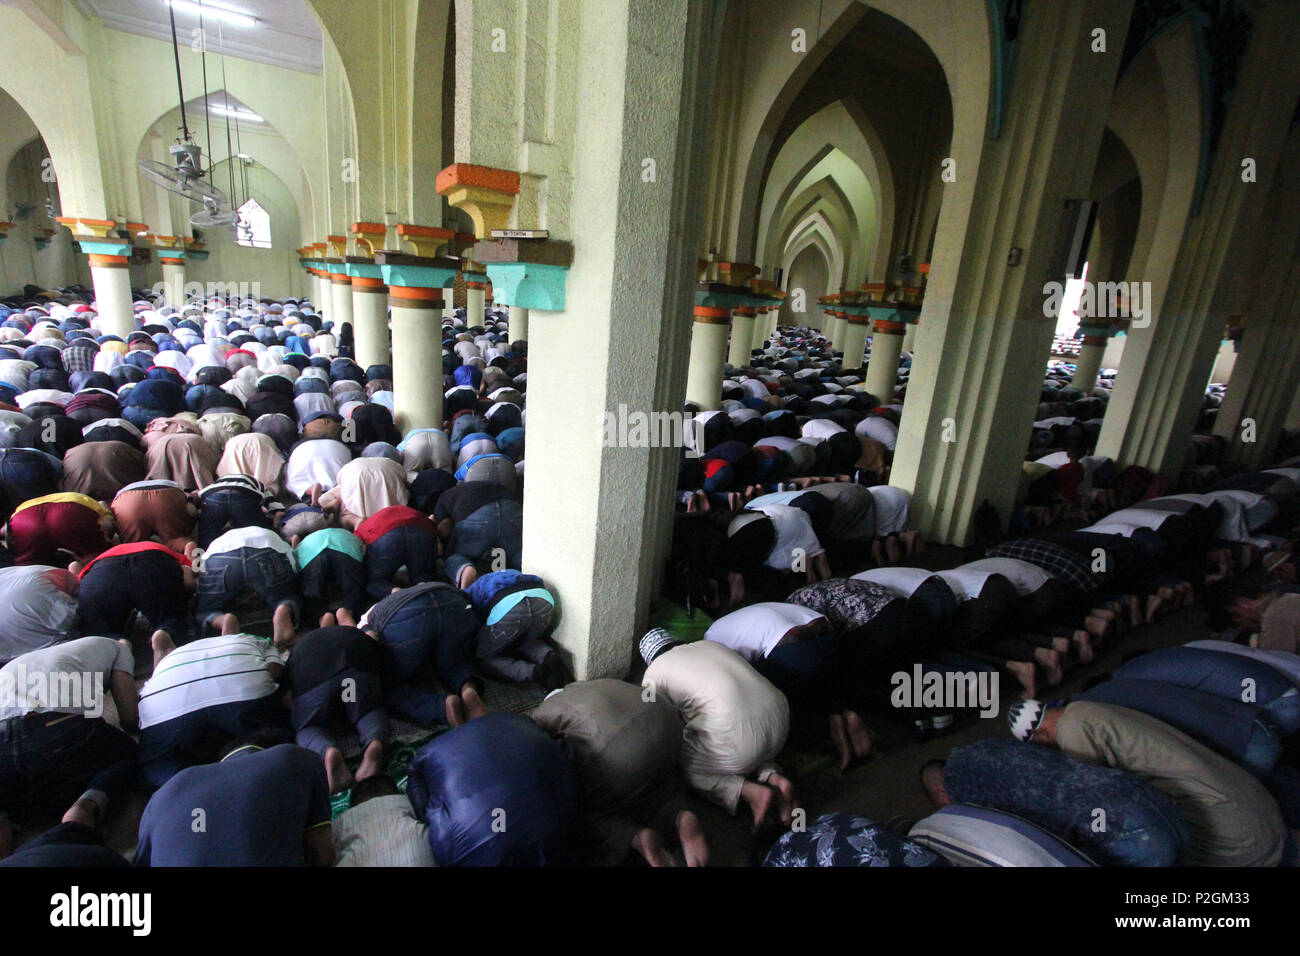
[383,831]
[270,504]
[206,673]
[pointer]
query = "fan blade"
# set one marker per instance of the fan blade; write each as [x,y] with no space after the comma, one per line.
[173,180]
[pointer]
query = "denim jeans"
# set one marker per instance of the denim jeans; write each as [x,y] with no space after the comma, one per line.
[146,581]
[333,579]
[268,572]
[47,762]
[414,548]
[513,647]
[169,747]
[1063,796]
[439,628]
[498,524]
[228,508]
[361,702]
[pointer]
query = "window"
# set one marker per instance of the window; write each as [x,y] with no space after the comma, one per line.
[254,226]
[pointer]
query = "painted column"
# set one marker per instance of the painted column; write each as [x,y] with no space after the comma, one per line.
[417,356]
[369,297]
[109,255]
[742,335]
[475,299]
[708,353]
[518,324]
[855,340]
[1089,362]
[173,270]
[340,295]
[761,322]
[882,371]
[909,338]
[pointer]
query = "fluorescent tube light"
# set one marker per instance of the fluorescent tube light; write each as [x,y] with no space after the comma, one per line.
[218,11]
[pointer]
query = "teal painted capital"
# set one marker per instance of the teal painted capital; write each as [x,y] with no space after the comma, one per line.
[172,254]
[720,300]
[196,254]
[528,285]
[417,277]
[365,270]
[103,248]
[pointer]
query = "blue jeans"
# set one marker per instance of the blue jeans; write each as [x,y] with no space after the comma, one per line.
[439,627]
[316,712]
[228,508]
[513,647]
[498,524]
[169,747]
[1062,795]
[416,548]
[48,760]
[267,572]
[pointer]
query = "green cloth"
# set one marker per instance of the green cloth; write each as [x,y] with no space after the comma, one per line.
[336,538]
[674,619]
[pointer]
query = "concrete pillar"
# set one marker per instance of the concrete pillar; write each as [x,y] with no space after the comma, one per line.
[909,337]
[417,356]
[1089,362]
[855,340]
[321,294]
[340,287]
[761,323]
[835,328]
[370,322]
[173,271]
[882,371]
[982,342]
[112,281]
[708,352]
[742,335]
[475,301]
[1157,395]
[518,324]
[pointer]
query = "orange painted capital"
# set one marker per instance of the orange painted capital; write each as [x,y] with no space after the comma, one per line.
[482,177]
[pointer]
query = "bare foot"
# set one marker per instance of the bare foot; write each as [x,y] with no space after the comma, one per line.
[647,843]
[1082,642]
[372,761]
[225,624]
[85,812]
[455,711]
[282,628]
[162,645]
[694,846]
[1154,603]
[840,738]
[761,800]
[474,706]
[327,620]
[337,772]
[345,617]
[1061,645]
[859,736]
[786,791]
[468,575]
[1050,661]
[1133,609]
[892,551]
[1024,673]
[1097,627]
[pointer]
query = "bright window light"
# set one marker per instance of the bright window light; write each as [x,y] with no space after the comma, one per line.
[248,116]
[254,226]
[218,11]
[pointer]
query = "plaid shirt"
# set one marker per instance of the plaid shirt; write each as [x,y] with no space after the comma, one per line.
[1056,560]
[79,358]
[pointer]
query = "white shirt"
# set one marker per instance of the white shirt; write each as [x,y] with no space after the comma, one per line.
[1027,577]
[383,831]
[251,537]
[795,538]
[901,581]
[206,673]
[753,632]
[892,507]
[879,428]
[67,678]
[820,429]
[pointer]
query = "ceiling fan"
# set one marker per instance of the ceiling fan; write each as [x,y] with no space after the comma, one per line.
[213,216]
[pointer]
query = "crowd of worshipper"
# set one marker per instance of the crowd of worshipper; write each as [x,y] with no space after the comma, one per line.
[781,510]
[216,525]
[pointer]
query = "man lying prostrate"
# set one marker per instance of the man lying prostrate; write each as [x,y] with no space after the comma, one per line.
[628,752]
[797,650]
[258,807]
[1060,794]
[380,829]
[736,723]
[1231,818]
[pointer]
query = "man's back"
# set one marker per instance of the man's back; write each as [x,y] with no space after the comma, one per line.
[252,809]
[1232,819]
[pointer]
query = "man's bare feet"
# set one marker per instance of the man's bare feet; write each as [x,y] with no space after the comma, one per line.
[694,846]
[859,736]
[345,617]
[162,645]
[454,708]
[85,812]
[474,706]
[785,790]
[840,738]
[337,772]
[892,551]
[372,760]
[647,843]
[1050,661]
[1025,674]
[1154,603]
[761,799]
[327,620]
[468,575]
[282,628]
[1097,627]
[1061,644]
[912,542]
[1082,642]
[225,624]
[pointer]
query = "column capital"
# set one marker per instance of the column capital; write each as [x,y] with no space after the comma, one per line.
[528,273]
[736,273]
[486,194]
[710,315]
[339,245]
[425,240]
[96,236]
[369,234]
